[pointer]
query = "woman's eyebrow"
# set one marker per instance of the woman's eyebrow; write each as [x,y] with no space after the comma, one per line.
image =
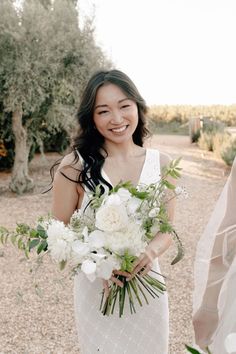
[106,105]
[100,106]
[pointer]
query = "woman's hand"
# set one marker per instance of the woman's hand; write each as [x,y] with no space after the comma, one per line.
[115,280]
[205,322]
[142,266]
[154,249]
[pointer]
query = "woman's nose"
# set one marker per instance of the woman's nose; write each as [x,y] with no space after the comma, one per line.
[117,117]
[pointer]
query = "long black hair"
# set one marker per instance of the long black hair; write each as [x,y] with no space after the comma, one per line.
[89,142]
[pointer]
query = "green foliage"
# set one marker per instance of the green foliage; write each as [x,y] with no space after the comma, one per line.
[26,238]
[45,61]
[205,141]
[195,351]
[228,152]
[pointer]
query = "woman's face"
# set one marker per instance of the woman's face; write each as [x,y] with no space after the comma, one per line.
[115,115]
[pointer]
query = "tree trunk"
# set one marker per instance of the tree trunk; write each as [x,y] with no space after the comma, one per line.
[20,181]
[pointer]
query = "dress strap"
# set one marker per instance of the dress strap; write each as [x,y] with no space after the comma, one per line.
[152,170]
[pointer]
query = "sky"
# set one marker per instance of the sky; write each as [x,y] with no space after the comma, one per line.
[175,51]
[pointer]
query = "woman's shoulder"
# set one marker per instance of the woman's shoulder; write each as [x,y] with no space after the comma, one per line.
[70,161]
[70,166]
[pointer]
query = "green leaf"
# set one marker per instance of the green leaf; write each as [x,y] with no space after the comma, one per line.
[62,265]
[180,249]
[191,350]
[42,247]
[42,232]
[33,243]
[168,184]
[33,233]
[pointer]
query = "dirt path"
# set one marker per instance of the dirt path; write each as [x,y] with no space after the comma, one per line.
[36,309]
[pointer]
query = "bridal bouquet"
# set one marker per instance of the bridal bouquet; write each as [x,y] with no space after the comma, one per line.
[111,233]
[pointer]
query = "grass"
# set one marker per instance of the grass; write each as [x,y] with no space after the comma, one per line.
[170,128]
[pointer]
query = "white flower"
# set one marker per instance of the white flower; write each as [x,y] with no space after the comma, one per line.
[111,218]
[129,239]
[96,239]
[133,204]
[88,267]
[124,194]
[153,212]
[105,268]
[60,239]
[80,248]
[230,343]
[155,228]
[113,199]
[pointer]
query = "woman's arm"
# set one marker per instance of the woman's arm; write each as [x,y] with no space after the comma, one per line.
[65,192]
[162,241]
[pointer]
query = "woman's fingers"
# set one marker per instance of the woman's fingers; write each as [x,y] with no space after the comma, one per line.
[145,270]
[116,281]
[142,268]
[106,288]
[120,272]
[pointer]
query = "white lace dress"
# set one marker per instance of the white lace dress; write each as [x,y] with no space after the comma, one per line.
[144,332]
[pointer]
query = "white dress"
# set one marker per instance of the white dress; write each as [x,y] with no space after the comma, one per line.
[147,330]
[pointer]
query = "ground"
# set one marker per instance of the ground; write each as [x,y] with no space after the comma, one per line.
[36,301]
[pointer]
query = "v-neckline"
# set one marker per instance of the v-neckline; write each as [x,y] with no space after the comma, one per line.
[105,175]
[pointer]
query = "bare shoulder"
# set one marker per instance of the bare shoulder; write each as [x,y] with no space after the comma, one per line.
[70,165]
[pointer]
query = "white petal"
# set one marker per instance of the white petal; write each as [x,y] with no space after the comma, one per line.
[80,247]
[96,239]
[88,267]
[230,343]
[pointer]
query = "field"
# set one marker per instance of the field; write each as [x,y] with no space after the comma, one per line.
[36,301]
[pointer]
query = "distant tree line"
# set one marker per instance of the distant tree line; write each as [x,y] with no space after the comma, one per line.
[182,113]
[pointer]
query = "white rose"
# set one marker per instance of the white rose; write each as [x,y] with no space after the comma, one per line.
[129,239]
[124,194]
[111,218]
[113,199]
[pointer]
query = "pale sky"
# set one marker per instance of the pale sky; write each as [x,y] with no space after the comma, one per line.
[175,51]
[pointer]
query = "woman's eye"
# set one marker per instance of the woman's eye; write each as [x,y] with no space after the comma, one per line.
[102,112]
[125,106]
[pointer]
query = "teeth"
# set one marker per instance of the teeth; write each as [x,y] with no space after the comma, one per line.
[118,130]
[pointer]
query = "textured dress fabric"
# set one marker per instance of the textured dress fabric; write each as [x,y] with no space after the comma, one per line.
[147,330]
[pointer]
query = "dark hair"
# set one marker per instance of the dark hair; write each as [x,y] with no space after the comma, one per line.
[89,142]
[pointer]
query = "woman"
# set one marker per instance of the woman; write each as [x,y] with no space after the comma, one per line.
[108,149]
[215,292]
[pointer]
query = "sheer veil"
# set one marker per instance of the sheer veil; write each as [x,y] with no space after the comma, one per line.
[219,241]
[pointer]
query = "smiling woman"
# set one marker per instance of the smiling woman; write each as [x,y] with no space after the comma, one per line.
[111,117]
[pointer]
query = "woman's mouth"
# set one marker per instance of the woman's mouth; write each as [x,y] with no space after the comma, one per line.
[119,130]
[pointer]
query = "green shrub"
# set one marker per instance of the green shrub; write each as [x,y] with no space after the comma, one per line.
[221,141]
[228,152]
[205,142]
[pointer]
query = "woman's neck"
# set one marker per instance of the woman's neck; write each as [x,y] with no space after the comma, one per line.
[126,149]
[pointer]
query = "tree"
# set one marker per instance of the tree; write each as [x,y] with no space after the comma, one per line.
[45,60]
